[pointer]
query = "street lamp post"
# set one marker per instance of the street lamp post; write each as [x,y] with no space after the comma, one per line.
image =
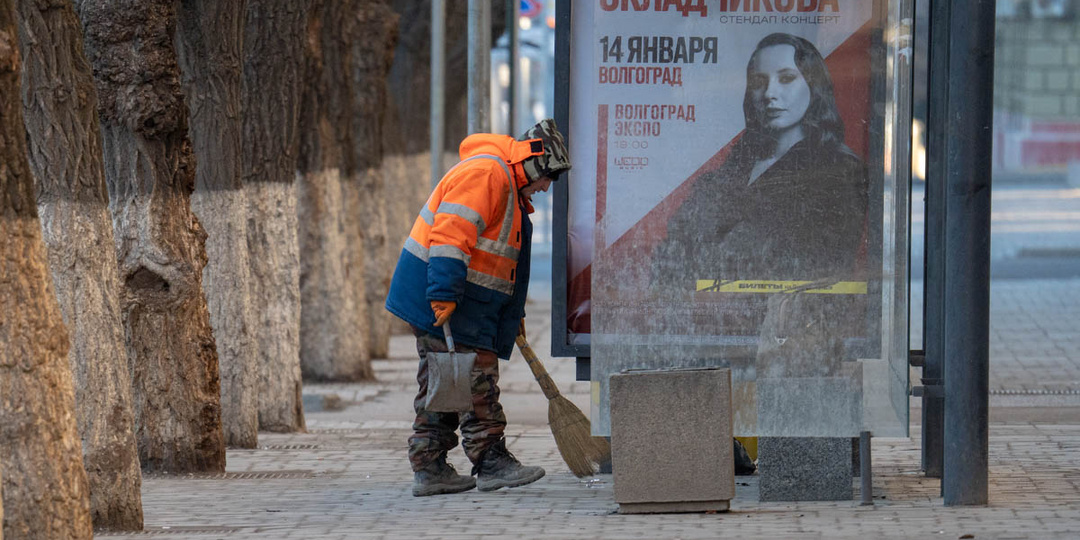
[479,70]
[438,74]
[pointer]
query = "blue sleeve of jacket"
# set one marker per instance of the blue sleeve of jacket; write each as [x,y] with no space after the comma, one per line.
[446,279]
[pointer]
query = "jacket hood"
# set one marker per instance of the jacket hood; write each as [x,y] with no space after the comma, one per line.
[511,150]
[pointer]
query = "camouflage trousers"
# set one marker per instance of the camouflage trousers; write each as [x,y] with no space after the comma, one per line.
[433,432]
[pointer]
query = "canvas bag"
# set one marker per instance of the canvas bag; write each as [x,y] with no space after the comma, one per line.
[449,378]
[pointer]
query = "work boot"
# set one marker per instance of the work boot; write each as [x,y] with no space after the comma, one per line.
[440,477]
[499,468]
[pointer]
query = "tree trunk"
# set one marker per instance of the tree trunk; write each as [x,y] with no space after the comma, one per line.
[333,321]
[150,171]
[210,48]
[377,31]
[64,139]
[45,492]
[273,66]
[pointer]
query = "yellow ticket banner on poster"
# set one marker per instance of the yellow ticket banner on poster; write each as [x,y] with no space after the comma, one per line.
[765,286]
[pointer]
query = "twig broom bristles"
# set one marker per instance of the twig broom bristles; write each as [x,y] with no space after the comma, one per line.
[582,452]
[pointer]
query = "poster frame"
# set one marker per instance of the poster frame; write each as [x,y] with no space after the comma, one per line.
[561,345]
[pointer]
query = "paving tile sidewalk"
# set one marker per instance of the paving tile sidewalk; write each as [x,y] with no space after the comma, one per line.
[348,478]
[354,483]
[1034,335]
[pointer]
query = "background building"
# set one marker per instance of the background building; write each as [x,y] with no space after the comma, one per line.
[1037,88]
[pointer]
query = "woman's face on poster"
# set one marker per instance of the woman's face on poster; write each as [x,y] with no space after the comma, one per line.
[778,91]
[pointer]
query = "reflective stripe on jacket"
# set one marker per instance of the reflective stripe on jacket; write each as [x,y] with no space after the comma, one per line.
[470,244]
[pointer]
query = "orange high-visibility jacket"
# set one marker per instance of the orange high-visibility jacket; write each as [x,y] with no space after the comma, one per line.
[470,244]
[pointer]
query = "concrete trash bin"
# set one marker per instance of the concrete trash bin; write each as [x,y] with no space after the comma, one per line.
[671,438]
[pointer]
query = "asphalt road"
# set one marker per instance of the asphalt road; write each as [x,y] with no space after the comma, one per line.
[1035,232]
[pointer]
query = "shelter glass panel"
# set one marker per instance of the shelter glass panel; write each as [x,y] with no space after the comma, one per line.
[739,199]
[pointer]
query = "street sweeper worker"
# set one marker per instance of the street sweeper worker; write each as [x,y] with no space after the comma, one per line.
[466,262]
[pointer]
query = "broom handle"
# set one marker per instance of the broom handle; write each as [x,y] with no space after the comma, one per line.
[546,383]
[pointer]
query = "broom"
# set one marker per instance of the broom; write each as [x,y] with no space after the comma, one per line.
[582,452]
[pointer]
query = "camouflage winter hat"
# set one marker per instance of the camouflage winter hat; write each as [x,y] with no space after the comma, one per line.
[555,159]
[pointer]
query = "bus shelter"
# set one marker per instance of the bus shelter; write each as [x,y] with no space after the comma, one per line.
[740,199]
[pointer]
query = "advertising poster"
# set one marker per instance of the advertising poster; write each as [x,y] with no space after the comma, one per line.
[725,213]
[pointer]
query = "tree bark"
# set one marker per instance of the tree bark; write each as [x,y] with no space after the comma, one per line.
[64,141]
[150,171]
[210,49]
[45,492]
[333,321]
[273,63]
[377,28]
